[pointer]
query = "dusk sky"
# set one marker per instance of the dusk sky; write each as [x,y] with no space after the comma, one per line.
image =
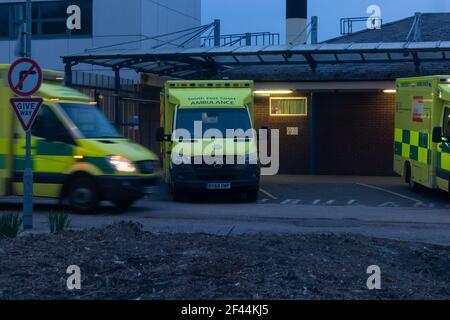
[240,16]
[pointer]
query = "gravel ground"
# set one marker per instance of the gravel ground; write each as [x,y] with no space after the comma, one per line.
[123,262]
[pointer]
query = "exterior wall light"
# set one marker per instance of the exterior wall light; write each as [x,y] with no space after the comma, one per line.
[269,92]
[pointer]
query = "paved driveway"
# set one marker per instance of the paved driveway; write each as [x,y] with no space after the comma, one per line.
[381,207]
[378,192]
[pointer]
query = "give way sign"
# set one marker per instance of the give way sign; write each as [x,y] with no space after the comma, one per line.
[26,110]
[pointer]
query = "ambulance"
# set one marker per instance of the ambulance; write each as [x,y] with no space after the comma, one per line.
[199,153]
[77,154]
[422,132]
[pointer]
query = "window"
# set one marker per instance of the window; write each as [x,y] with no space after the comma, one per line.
[49,19]
[288,107]
[4,21]
[215,118]
[86,17]
[49,127]
[447,122]
[90,121]
[52,10]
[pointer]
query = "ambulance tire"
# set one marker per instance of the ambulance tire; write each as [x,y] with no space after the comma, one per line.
[413,186]
[252,196]
[82,195]
[177,196]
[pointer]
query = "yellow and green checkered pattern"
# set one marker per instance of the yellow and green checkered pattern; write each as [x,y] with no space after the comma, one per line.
[443,158]
[413,145]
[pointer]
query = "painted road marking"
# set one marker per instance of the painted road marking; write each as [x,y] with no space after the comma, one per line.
[388,191]
[268,194]
[417,204]
[291,201]
[420,205]
[388,204]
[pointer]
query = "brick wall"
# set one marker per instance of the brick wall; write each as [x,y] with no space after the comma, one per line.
[355,133]
[294,150]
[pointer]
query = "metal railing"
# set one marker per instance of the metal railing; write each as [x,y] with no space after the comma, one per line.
[243,39]
[347,23]
[415,34]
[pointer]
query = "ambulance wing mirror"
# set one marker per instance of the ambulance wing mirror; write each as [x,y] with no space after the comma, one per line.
[160,134]
[161,137]
[437,135]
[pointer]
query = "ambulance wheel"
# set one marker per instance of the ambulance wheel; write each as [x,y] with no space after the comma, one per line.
[176,195]
[82,195]
[252,196]
[413,186]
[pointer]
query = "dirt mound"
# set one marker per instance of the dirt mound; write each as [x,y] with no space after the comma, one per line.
[123,262]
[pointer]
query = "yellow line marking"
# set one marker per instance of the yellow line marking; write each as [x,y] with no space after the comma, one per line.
[388,191]
[268,194]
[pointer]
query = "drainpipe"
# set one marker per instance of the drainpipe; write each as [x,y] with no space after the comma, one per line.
[314,126]
[314,29]
[217,33]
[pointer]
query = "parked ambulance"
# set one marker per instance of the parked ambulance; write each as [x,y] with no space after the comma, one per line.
[199,154]
[78,156]
[422,132]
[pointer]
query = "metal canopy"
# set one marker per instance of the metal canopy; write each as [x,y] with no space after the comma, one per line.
[196,62]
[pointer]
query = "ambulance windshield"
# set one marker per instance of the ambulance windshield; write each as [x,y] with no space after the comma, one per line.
[90,121]
[221,119]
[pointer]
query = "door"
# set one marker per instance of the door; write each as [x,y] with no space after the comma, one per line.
[6,120]
[355,131]
[52,152]
[443,156]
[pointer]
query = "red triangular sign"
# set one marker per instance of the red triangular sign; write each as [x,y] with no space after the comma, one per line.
[26,110]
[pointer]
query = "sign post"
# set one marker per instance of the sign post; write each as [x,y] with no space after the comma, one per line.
[25,79]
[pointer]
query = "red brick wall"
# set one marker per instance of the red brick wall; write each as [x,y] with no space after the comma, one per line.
[355,133]
[294,150]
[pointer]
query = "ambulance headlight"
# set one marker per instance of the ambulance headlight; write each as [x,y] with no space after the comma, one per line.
[252,158]
[121,164]
[179,158]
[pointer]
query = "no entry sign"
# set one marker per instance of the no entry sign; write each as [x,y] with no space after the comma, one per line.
[26,110]
[25,77]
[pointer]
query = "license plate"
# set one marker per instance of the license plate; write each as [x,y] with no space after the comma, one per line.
[149,190]
[218,186]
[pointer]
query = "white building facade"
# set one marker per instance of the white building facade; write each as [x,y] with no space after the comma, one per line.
[104,24]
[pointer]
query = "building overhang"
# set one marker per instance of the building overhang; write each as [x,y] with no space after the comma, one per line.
[209,62]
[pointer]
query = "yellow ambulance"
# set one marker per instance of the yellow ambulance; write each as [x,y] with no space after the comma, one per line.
[422,132]
[77,154]
[207,136]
